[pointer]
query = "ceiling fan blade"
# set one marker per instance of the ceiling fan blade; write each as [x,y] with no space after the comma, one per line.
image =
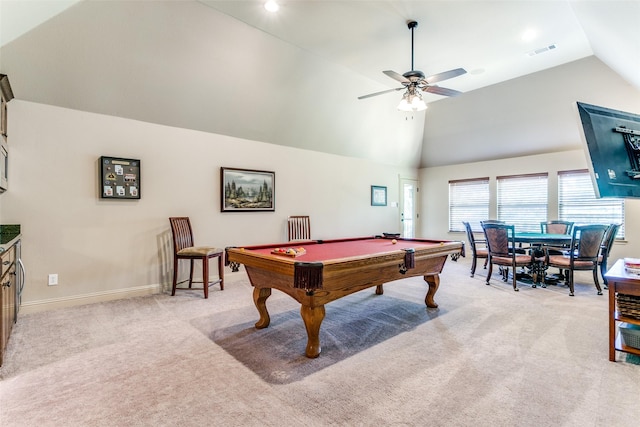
[442,91]
[445,75]
[380,93]
[398,77]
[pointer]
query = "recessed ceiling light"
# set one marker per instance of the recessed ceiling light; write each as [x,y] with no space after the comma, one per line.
[272,6]
[529,35]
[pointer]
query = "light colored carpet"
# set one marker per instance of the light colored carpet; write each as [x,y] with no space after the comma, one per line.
[487,356]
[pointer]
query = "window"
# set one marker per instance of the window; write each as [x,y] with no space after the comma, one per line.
[468,201]
[522,200]
[577,202]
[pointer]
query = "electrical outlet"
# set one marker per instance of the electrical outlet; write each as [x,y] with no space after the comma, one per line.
[53,279]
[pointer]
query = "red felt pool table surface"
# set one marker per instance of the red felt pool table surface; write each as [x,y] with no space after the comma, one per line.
[331,250]
[332,269]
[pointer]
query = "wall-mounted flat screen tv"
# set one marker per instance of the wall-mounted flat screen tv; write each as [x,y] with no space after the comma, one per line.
[611,139]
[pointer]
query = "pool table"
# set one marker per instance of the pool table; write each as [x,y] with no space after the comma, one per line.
[323,271]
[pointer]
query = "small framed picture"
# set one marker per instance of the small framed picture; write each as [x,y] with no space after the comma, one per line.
[378,195]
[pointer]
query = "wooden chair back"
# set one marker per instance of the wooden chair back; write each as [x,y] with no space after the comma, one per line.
[500,237]
[605,250]
[299,227]
[587,241]
[556,227]
[473,242]
[182,233]
[609,238]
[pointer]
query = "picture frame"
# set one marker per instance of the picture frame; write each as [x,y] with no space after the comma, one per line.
[247,190]
[119,178]
[378,195]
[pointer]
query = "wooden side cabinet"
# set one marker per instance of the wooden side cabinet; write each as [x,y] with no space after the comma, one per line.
[620,282]
[7,296]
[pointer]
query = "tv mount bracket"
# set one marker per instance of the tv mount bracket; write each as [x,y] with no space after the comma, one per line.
[632,144]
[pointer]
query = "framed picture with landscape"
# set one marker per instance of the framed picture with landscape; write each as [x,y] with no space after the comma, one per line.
[247,190]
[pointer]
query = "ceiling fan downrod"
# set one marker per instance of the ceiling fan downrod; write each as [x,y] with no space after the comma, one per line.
[411,25]
[413,75]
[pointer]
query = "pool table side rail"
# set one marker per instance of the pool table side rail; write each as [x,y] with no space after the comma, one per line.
[337,284]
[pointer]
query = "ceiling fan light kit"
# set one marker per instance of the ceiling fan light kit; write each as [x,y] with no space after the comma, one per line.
[414,81]
[412,102]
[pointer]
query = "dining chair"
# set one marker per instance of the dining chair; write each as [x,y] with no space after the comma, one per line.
[605,250]
[500,242]
[586,243]
[183,248]
[479,248]
[556,227]
[299,227]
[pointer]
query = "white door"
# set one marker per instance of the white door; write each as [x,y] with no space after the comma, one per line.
[408,207]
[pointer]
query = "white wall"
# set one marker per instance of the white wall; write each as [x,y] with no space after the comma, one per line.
[112,248]
[434,184]
[533,114]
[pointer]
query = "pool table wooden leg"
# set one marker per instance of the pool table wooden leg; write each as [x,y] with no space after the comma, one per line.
[379,290]
[434,282]
[260,296]
[313,317]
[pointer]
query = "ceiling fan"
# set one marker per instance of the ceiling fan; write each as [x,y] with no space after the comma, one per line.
[414,81]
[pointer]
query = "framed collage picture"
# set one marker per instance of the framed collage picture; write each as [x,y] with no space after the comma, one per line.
[119,178]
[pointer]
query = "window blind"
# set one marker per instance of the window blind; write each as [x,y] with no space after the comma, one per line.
[468,201]
[577,202]
[522,200]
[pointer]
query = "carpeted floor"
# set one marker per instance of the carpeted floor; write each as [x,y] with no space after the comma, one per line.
[487,356]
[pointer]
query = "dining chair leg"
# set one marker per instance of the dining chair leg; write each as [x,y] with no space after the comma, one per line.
[603,271]
[489,273]
[191,273]
[205,276]
[570,280]
[221,272]
[473,266]
[515,285]
[175,276]
[595,280]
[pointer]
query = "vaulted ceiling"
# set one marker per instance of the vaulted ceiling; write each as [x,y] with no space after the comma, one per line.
[293,78]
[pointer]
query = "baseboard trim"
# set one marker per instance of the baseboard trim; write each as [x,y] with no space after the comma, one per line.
[94,297]
[103,296]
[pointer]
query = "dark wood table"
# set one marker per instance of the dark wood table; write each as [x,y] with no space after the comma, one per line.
[332,269]
[620,282]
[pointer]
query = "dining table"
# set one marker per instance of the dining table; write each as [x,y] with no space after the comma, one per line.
[542,239]
[537,241]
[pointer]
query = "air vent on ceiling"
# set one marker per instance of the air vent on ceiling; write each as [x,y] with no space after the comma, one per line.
[541,50]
